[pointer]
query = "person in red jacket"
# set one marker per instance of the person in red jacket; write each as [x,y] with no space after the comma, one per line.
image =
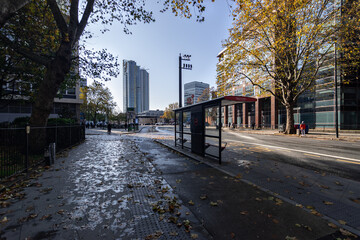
[302,128]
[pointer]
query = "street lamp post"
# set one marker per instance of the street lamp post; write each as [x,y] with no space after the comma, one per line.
[185,57]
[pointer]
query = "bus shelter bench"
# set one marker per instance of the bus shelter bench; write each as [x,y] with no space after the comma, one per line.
[207,145]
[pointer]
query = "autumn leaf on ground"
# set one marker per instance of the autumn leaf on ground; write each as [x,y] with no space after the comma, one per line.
[4,220]
[347,233]
[355,200]
[324,186]
[194,236]
[342,222]
[214,204]
[61,212]
[275,221]
[339,183]
[316,213]
[178,180]
[290,238]
[310,207]
[302,183]
[298,225]
[332,225]
[203,197]
[191,203]
[328,203]
[239,176]
[258,199]
[278,201]
[244,212]
[173,234]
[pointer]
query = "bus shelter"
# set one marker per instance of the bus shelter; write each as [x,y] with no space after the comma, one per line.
[198,126]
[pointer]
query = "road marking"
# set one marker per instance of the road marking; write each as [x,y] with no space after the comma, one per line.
[348,161]
[312,155]
[296,150]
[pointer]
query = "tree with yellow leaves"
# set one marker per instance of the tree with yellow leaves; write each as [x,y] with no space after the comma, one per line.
[169,113]
[279,46]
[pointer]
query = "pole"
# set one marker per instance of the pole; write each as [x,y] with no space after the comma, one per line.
[180,84]
[335,83]
[336,95]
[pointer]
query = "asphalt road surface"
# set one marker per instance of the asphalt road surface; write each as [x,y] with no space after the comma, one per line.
[341,158]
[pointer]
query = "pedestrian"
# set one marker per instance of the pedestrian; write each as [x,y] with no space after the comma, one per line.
[302,128]
[109,128]
[253,125]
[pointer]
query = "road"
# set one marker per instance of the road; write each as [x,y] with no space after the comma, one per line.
[336,157]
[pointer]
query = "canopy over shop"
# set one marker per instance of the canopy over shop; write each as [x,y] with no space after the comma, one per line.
[198,126]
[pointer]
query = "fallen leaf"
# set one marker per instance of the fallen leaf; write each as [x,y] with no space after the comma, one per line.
[191,203]
[332,225]
[342,222]
[339,184]
[278,201]
[194,236]
[244,213]
[290,238]
[4,220]
[347,233]
[173,234]
[203,197]
[239,176]
[258,199]
[213,204]
[316,213]
[275,221]
[178,180]
[328,203]
[61,212]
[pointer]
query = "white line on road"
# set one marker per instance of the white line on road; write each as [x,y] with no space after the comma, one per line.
[296,150]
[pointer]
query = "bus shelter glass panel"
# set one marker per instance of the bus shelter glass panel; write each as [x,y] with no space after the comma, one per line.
[211,121]
[177,122]
[187,128]
[212,134]
[187,121]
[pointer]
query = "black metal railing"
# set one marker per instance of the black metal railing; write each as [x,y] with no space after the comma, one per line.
[16,144]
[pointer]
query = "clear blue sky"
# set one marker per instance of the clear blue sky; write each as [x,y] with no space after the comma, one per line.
[156,47]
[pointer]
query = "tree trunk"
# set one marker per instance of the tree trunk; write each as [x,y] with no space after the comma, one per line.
[290,129]
[54,76]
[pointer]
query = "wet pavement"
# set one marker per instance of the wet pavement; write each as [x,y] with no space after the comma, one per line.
[104,189]
[126,186]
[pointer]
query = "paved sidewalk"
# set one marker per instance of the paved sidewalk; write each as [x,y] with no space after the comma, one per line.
[334,198]
[103,189]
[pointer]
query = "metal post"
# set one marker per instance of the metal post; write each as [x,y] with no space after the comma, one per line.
[27,131]
[182,129]
[336,94]
[180,84]
[175,128]
[219,132]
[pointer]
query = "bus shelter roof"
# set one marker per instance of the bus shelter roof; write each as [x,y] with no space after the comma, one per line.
[225,101]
